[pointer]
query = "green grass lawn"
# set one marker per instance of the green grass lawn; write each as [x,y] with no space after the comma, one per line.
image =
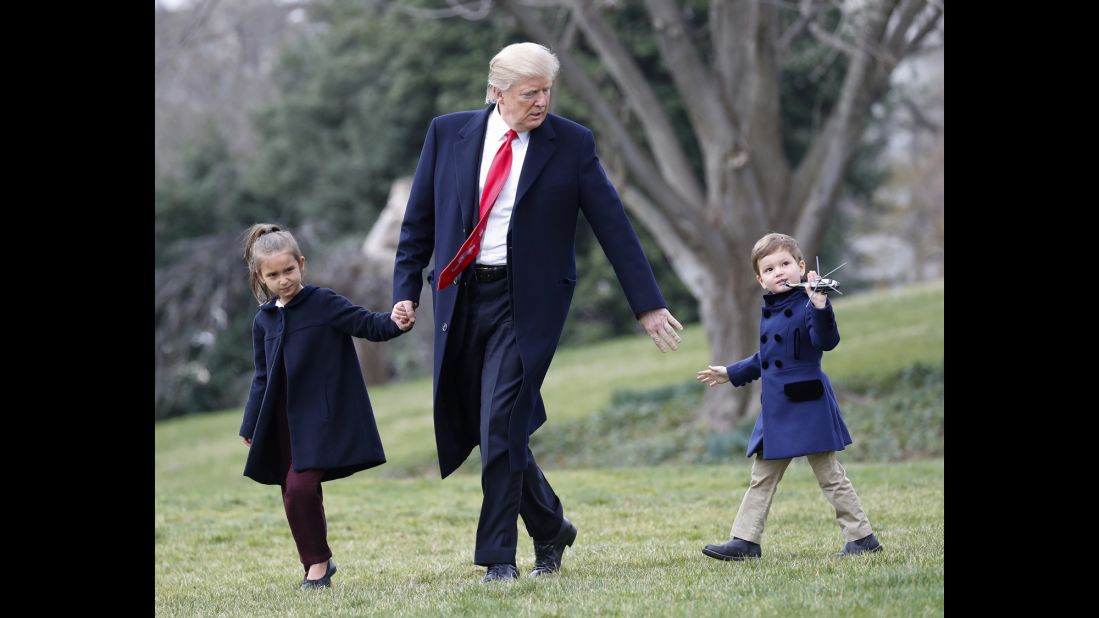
[404,546]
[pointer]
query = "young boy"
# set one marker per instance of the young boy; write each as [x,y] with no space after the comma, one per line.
[800,415]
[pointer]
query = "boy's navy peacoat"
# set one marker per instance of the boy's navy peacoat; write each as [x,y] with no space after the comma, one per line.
[331,422]
[800,415]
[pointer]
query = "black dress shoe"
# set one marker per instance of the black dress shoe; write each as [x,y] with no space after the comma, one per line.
[324,582]
[501,572]
[548,554]
[866,544]
[735,549]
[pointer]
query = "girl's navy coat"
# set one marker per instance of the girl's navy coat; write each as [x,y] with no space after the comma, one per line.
[331,423]
[800,415]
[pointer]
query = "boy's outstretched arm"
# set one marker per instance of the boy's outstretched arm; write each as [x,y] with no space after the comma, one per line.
[739,373]
[714,375]
[745,371]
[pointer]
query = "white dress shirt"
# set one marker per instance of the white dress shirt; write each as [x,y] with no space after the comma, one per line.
[494,250]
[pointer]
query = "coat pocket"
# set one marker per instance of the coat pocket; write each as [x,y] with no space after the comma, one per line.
[807,390]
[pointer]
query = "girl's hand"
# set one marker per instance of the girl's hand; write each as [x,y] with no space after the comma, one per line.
[403,314]
[402,322]
[716,374]
[248,441]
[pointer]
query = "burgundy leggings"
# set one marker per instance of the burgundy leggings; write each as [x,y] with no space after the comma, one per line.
[302,497]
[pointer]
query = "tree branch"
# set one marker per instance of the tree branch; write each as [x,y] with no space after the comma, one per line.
[664,144]
[851,49]
[641,168]
[718,127]
[928,27]
[684,258]
[731,28]
[905,15]
[692,79]
[793,31]
[818,177]
[764,130]
[479,10]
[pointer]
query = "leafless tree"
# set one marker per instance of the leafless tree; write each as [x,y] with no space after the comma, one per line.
[213,62]
[706,222]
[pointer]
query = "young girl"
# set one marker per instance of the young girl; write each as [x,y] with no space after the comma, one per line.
[308,418]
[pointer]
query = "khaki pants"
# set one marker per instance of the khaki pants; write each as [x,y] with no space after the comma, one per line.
[837,488]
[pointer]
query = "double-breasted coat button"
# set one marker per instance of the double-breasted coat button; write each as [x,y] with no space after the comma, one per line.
[778,364]
[778,338]
[766,313]
[765,365]
[763,339]
[788,313]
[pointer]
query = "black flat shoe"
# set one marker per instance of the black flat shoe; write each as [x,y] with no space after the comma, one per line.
[735,549]
[865,545]
[324,582]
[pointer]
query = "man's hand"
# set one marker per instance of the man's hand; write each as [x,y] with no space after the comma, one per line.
[404,314]
[661,326]
[402,323]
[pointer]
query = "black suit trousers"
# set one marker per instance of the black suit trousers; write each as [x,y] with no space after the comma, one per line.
[483,357]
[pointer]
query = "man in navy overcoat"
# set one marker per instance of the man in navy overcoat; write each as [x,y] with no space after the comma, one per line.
[498,323]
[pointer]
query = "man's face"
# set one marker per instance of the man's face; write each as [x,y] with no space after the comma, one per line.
[524,106]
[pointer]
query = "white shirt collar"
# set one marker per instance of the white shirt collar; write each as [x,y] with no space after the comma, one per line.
[497,128]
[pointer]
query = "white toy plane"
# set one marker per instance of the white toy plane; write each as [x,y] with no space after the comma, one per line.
[822,285]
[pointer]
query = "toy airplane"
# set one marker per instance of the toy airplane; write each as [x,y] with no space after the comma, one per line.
[822,285]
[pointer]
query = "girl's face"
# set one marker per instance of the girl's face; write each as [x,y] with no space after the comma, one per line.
[281,273]
[778,268]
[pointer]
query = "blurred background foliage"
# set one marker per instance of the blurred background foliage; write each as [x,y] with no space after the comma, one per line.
[306,113]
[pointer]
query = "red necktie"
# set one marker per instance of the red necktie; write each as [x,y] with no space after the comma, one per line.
[497,175]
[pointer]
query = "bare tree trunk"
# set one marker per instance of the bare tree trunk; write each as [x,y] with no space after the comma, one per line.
[377,251]
[730,316]
[706,220]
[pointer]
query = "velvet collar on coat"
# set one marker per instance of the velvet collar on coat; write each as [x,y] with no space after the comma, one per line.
[783,299]
[298,299]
